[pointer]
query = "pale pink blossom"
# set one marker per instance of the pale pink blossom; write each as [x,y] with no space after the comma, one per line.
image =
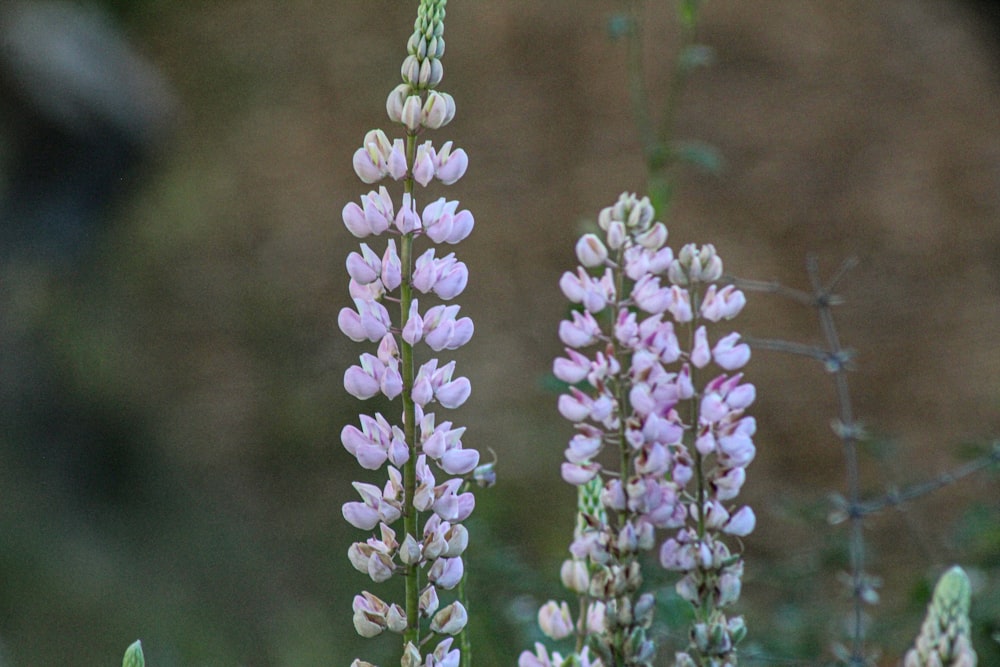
[450,165]
[591,251]
[729,354]
[555,620]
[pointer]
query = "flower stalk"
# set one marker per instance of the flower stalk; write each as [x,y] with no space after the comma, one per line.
[645,428]
[424,458]
[945,639]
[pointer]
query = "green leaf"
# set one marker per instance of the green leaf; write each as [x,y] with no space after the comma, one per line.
[619,25]
[687,10]
[696,55]
[699,154]
[133,655]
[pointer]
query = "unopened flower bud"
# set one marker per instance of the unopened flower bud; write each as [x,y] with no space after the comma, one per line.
[555,620]
[410,71]
[410,115]
[638,649]
[643,610]
[596,617]
[428,601]
[409,550]
[411,656]
[395,619]
[450,620]
[574,575]
[438,110]
[394,102]
[590,251]
[485,475]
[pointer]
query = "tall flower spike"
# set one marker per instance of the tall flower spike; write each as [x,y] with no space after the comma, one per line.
[661,439]
[944,639]
[418,512]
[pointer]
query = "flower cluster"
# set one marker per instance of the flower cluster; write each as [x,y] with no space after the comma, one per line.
[944,639]
[426,462]
[667,449]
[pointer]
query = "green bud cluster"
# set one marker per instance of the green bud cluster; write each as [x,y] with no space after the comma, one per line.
[133,655]
[944,639]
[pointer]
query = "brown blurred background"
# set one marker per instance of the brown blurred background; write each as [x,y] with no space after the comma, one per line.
[170,465]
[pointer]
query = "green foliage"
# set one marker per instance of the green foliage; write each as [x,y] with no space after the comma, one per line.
[133,655]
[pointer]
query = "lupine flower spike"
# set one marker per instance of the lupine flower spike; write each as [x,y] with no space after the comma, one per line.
[417,513]
[665,449]
[944,639]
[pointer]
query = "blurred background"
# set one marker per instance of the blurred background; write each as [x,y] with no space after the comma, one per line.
[171,180]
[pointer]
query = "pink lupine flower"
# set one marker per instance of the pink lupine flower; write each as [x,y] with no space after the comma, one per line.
[555,620]
[445,276]
[584,446]
[450,165]
[374,508]
[582,331]
[649,296]
[730,355]
[369,321]
[590,251]
[574,575]
[394,102]
[579,473]
[446,572]
[444,655]
[451,505]
[450,620]
[364,381]
[423,168]
[392,270]
[719,304]
[642,360]
[369,165]
[411,112]
[679,305]
[437,111]
[429,601]
[701,355]
[459,461]
[742,523]
[365,267]
[443,224]
[373,217]
[407,220]
[378,279]
[442,331]
[369,615]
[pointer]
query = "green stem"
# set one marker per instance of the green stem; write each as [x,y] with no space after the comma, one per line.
[411,522]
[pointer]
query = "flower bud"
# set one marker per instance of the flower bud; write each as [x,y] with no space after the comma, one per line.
[574,575]
[411,656]
[590,251]
[555,620]
[409,550]
[450,620]
[438,110]
[446,573]
[410,116]
[394,102]
[428,601]
[410,71]
[395,619]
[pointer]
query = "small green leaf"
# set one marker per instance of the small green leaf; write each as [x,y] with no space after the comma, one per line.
[688,12]
[696,55]
[619,25]
[699,154]
[133,655]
